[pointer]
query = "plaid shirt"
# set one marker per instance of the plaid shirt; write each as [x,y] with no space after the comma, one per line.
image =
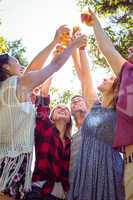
[52,158]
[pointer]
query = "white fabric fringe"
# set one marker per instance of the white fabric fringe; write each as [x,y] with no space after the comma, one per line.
[8,175]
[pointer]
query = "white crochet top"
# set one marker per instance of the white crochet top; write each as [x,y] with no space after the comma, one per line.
[17,123]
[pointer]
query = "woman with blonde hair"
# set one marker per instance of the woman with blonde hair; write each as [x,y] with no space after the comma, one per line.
[98,172]
[52,149]
[123,68]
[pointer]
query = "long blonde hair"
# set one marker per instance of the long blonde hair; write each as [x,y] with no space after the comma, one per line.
[68,126]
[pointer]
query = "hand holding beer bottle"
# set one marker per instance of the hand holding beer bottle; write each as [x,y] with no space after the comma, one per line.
[59,49]
[86,17]
[76,32]
[63,42]
[65,38]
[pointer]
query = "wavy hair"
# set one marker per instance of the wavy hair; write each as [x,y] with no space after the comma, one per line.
[68,126]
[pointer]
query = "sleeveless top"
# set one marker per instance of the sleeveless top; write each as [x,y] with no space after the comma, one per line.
[99,167]
[17,123]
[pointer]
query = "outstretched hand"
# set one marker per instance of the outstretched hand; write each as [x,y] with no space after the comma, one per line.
[59,32]
[94,16]
[76,32]
[88,17]
[80,41]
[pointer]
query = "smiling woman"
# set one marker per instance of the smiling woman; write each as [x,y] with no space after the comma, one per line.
[17,118]
[52,149]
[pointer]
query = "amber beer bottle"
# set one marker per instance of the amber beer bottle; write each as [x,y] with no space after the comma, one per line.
[86,18]
[76,33]
[65,38]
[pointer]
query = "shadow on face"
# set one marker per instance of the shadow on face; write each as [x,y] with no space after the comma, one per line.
[78,104]
[106,85]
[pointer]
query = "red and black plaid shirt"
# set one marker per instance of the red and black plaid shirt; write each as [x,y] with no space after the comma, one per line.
[52,158]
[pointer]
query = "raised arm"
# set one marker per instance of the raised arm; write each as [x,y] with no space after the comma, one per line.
[88,86]
[45,87]
[77,65]
[83,70]
[38,62]
[106,46]
[31,80]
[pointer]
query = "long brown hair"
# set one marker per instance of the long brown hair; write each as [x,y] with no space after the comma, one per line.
[115,90]
[4,74]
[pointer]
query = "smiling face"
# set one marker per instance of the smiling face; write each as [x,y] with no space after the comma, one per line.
[130,54]
[61,112]
[13,67]
[106,85]
[78,104]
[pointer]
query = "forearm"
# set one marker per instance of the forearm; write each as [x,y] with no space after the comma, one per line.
[38,62]
[60,60]
[46,87]
[35,78]
[43,109]
[76,61]
[112,56]
[85,69]
[88,86]
[104,42]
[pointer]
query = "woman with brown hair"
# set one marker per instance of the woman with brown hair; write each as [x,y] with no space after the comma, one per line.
[17,117]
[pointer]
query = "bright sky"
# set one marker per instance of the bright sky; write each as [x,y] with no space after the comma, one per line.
[35,21]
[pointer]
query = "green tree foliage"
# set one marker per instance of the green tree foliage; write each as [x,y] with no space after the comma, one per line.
[17,50]
[60,96]
[3,45]
[118,16]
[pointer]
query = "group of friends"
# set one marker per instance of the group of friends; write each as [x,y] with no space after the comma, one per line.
[96,162]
